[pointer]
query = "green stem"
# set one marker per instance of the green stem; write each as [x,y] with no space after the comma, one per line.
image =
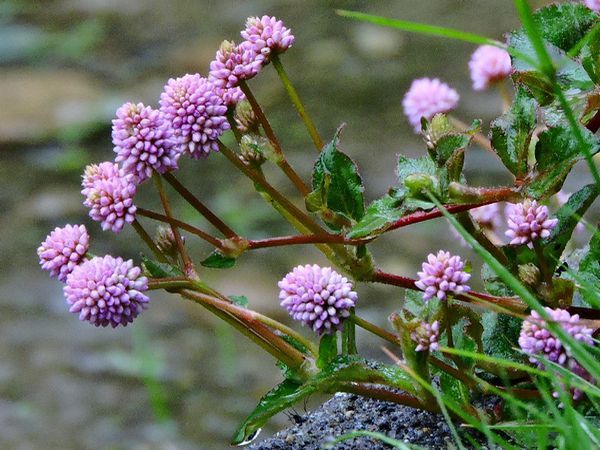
[281,161]
[233,125]
[148,240]
[289,87]
[546,274]
[199,206]
[374,329]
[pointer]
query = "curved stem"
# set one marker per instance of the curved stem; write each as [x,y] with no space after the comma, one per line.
[184,226]
[148,240]
[251,327]
[199,206]
[281,161]
[289,87]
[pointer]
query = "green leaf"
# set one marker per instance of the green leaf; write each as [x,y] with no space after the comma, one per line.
[281,397]
[590,55]
[411,166]
[556,151]
[565,24]
[454,388]
[512,131]
[327,350]
[240,300]
[589,271]
[493,284]
[349,368]
[217,260]
[158,269]
[568,217]
[500,336]
[380,214]
[444,141]
[337,183]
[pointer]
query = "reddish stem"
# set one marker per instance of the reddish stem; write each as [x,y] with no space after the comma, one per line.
[305,239]
[385,394]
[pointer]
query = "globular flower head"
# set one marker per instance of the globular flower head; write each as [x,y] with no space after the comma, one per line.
[63,249]
[195,112]
[233,63]
[528,222]
[594,5]
[426,98]
[426,336]
[537,340]
[317,296]
[143,141]
[106,291]
[109,193]
[489,65]
[442,275]
[267,35]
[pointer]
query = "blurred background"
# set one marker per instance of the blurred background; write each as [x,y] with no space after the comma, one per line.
[178,378]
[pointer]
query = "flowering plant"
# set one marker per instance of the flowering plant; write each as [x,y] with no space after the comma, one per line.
[536,307]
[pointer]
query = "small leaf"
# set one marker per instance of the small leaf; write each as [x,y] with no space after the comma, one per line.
[512,131]
[380,214]
[217,260]
[337,182]
[444,141]
[327,350]
[240,300]
[158,269]
[454,388]
[568,217]
[590,56]
[410,166]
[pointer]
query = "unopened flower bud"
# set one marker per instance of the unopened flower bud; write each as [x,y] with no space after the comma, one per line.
[255,149]
[245,118]
[165,241]
[529,274]
[418,183]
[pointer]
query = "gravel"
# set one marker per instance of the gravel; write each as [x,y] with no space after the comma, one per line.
[347,412]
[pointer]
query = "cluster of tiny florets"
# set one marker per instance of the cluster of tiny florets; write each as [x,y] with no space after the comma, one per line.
[109,193]
[63,249]
[233,63]
[426,98]
[536,340]
[267,35]
[143,141]
[489,65]
[426,336]
[195,112]
[106,291]
[528,222]
[317,296]
[594,5]
[442,275]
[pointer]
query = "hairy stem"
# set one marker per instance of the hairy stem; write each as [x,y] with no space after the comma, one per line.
[199,206]
[281,161]
[291,90]
[183,225]
[381,393]
[374,329]
[187,262]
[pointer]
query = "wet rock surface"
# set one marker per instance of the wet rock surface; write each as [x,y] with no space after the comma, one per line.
[346,413]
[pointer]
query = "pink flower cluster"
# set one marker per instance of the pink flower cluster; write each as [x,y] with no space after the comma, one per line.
[442,275]
[426,336]
[196,114]
[143,141]
[537,340]
[63,249]
[109,194]
[317,296]
[594,5]
[528,222]
[489,65]
[426,98]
